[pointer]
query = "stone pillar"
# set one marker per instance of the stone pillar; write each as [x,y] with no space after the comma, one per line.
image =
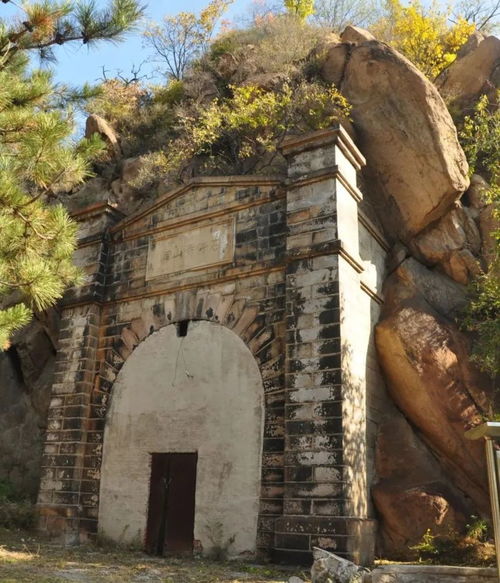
[326,493]
[63,485]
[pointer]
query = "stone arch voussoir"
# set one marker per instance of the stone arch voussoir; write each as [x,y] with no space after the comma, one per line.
[243,317]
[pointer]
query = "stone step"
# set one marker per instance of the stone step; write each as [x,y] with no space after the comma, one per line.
[430,574]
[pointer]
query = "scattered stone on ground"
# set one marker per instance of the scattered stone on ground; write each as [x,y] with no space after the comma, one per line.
[330,568]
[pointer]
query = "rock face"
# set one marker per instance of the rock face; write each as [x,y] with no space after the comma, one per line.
[415,166]
[25,384]
[125,194]
[430,378]
[474,72]
[412,491]
[453,243]
[97,125]
[355,34]
[416,172]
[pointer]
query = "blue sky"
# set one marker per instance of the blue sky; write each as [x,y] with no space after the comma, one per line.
[78,64]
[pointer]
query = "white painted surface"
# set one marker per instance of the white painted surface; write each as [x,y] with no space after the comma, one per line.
[199,393]
[203,246]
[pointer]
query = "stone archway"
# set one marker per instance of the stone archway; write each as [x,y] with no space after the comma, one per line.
[196,393]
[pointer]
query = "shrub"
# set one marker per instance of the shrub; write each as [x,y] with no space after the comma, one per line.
[242,133]
[457,549]
[117,102]
[15,511]
[422,35]
[15,515]
[480,138]
[276,44]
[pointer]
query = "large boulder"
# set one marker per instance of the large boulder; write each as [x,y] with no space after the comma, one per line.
[446,297]
[426,364]
[97,125]
[355,34]
[412,491]
[453,243]
[475,71]
[415,166]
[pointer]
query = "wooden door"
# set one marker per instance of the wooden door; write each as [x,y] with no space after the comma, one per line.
[170,527]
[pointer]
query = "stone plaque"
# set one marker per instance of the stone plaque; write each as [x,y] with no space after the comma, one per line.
[193,248]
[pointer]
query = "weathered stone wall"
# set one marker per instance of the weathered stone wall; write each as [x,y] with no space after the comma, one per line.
[290,268]
[246,297]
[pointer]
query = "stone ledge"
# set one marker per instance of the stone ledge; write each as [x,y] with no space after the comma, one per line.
[431,574]
[335,135]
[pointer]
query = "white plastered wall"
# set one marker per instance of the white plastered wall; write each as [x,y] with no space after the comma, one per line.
[199,393]
[363,386]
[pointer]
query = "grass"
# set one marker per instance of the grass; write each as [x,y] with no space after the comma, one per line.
[26,558]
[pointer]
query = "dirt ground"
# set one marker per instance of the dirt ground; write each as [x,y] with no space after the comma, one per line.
[26,558]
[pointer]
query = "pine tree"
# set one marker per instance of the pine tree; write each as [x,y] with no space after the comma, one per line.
[37,159]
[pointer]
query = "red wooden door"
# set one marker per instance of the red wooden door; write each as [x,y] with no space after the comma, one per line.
[170,527]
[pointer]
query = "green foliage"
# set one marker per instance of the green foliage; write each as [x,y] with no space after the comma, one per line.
[170,95]
[143,117]
[7,491]
[423,35]
[37,156]
[300,8]
[117,101]
[180,39]
[242,133]
[454,548]
[15,511]
[427,547]
[480,138]
[483,318]
[50,23]
[17,515]
[11,319]
[477,529]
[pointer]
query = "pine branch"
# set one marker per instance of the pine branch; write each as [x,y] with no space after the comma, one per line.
[52,24]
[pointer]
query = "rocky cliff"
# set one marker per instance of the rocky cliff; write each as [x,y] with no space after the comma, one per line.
[428,474]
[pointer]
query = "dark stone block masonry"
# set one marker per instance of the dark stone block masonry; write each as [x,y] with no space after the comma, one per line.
[293,268]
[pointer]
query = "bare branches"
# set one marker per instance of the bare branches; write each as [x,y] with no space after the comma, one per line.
[337,14]
[178,40]
[484,14]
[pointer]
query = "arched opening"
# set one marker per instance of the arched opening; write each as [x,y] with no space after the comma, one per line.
[198,394]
